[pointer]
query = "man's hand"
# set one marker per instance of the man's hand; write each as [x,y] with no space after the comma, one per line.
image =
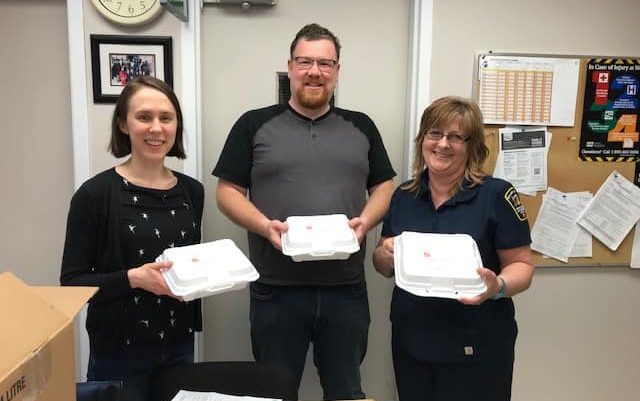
[360,227]
[274,231]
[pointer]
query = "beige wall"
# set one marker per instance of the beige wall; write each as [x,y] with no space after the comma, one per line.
[578,326]
[36,164]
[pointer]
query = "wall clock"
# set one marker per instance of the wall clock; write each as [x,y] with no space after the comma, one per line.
[128,12]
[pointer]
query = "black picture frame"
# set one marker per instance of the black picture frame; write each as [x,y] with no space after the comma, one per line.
[115,59]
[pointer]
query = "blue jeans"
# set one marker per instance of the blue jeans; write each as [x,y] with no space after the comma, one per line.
[136,366]
[286,319]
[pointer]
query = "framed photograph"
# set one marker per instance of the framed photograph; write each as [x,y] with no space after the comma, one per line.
[117,59]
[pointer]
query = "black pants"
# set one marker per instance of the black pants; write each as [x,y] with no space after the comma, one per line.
[426,381]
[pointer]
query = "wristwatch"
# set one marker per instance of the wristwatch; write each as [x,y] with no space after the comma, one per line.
[501,292]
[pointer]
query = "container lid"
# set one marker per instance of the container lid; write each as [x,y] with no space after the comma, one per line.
[438,265]
[205,269]
[319,237]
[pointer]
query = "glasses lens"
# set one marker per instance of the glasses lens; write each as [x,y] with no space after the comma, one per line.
[305,63]
[435,135]
[451,138]
[326,65]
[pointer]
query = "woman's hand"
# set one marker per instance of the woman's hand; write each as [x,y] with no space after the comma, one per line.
[516,271]
[383,257]
[149,278]
[493,284]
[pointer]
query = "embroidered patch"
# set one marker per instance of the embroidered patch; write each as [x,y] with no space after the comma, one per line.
[512,198]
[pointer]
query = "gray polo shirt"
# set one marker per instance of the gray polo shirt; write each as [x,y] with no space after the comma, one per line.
[294,166]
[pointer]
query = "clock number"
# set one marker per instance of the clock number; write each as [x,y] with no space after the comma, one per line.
[128,12]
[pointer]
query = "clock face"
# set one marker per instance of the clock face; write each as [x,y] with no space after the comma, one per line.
[129,12]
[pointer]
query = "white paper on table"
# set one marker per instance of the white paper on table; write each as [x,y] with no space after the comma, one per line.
[613,211]
[555,231]
[522,159]
[184,395]
[635,249]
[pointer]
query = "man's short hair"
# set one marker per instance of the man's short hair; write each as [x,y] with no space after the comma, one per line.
[315,32]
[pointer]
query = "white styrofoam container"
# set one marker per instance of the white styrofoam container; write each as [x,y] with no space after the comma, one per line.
[438,265]
[321,237]
[206,269]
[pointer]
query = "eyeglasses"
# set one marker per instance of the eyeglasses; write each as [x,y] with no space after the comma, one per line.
[436,135]
[306,63]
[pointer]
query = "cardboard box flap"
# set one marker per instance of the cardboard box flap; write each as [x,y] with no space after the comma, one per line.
[68,300]
[29,320]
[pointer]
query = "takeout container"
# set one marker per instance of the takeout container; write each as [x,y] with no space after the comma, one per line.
[320,237]
[206,269]
[438,265]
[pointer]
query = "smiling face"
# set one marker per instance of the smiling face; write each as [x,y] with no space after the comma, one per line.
[151,124]
[311,89]
[443,158]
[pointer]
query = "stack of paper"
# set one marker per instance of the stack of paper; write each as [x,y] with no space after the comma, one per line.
[556,232]
[184,395]
[613,211]
[566,221]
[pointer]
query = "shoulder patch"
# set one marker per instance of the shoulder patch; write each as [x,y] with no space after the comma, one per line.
[512,198]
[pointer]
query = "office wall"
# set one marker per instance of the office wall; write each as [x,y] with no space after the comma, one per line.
[36,163]
[241,52]
[578,326]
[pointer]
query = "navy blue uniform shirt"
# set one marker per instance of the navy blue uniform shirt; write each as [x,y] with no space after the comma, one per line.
[445,330]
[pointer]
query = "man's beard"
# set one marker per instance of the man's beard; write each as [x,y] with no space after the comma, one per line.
[313,101]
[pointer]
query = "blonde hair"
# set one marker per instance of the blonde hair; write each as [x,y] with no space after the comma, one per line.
[440,113]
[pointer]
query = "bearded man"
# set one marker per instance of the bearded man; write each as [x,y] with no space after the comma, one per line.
[307,158]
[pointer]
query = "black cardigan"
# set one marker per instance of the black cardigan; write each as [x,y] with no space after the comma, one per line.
[93,252]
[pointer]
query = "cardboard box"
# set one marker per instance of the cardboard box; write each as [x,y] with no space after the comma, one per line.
[37,357]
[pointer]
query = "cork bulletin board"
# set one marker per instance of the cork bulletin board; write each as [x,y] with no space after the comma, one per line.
[567,172]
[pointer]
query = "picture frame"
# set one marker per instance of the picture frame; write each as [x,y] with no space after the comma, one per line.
[116,59]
